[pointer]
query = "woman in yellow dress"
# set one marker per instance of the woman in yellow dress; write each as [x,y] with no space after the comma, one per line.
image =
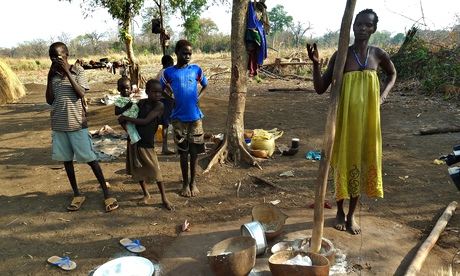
[357,154]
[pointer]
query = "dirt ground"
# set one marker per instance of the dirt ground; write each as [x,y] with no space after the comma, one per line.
[34,223]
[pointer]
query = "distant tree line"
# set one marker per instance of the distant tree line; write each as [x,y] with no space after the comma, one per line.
[210,41]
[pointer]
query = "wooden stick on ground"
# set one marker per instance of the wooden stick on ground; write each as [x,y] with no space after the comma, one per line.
[219,73]
[238,186]
[271,75]
[290,89]
[265,181]
[426,246]
[329,135]
[294,76]
[439,130]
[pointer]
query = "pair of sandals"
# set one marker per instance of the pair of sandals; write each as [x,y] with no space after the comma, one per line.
[65,263]
[110,204]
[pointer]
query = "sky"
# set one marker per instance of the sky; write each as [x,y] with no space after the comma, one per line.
[26,20]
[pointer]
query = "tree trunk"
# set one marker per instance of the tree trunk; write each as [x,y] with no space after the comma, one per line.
[329,135]
[234,148]
[238,80]
[133,66]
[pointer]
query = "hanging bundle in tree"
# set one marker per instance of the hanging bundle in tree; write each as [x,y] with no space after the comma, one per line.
[11,88]
[156,25]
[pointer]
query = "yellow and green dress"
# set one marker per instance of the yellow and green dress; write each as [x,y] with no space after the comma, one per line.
[357,154]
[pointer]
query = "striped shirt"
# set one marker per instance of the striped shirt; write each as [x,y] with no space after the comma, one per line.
[67,112]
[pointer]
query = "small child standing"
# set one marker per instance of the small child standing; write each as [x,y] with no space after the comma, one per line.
[126,106]
[150,111]
[166,61]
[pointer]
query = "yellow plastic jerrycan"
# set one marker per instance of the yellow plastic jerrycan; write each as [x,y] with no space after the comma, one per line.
[159,134]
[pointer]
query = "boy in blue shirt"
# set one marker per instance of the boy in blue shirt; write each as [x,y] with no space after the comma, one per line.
[180,82]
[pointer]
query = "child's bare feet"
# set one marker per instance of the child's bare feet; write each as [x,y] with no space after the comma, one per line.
[168,205]
[186,191]
[147,200]
[195,190]
[352,226]
[340,223]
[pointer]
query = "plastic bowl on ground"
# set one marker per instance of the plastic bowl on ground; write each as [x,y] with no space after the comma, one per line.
[233,256]
[278,266]
[255,230]
[129,265]
[271,218]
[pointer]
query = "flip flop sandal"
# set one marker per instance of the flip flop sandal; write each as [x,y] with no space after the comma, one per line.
[62,262]
[313,155]
[76,203]
[132,245]
[110,204]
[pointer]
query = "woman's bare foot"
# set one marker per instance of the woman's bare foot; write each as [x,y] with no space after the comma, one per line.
[340,223]
[186,191]
[195,190]
[352,226]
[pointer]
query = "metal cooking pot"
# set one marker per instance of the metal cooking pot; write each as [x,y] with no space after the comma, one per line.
[255,230]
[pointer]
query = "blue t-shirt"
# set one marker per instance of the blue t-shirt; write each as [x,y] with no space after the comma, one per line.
[184,84]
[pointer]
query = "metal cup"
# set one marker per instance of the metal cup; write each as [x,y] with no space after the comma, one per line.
[295,143]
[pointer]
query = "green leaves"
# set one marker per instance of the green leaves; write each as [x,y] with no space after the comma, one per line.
[190,11]
[279,19]
[432,67]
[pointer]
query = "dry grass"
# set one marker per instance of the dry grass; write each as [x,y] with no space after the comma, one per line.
[43,63]
[297,53]
[11,88]
[25,64]
[447,272]
[35,70]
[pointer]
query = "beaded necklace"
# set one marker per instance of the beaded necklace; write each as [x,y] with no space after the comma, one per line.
[361,65]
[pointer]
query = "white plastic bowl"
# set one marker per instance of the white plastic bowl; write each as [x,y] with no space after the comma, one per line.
[126,266]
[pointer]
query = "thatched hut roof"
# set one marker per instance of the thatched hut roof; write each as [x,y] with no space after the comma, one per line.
[11,88]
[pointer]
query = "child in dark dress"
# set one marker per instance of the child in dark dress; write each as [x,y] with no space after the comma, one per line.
[150,111]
